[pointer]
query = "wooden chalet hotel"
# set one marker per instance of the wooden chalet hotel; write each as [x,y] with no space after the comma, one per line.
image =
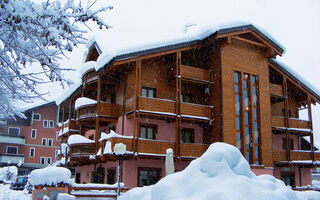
[224,86]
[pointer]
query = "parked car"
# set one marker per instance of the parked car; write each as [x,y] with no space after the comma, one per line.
[20,183]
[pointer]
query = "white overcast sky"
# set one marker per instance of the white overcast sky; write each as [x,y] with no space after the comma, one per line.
[295,24]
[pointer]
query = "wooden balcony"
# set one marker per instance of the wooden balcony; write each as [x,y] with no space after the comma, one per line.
[107,112]
[68,128]
[81,151]
[192,150]
[90,77]
[276,90]
[155,106]
[196,111]
[195,74]
[296,156]
[156,147]
[294,124]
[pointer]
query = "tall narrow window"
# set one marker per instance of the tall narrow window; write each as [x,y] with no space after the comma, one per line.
[247,116]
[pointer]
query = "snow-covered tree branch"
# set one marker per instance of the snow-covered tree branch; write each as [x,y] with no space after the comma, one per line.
[37,33]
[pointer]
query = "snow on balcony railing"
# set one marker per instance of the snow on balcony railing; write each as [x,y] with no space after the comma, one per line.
[82,101]
[79,139]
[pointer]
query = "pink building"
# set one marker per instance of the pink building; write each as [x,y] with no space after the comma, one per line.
[32,141]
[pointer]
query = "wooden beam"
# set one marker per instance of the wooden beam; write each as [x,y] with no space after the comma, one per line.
[178,104]
[151,55]
[311,127]
[249,41]
[97,126]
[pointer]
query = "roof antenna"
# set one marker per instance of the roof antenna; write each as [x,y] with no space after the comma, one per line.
[187,26]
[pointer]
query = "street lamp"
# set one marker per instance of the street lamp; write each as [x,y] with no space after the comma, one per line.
[119,149]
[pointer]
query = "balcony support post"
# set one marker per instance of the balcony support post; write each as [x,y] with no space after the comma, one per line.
[310,127]
[97,133]
[136,107]
[178,104]
[286,117]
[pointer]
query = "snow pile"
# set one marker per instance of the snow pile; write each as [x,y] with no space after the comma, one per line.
[50,176]
[221,173]
[7,194]
[64,148]
[79,139]
[111,134]
[82,101]
[8,173]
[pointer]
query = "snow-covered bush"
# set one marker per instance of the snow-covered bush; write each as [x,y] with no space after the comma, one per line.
[8,174]
[50,176]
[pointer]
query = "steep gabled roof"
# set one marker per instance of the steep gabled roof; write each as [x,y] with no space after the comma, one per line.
[298,78]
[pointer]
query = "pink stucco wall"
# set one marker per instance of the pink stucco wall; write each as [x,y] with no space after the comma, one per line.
[85,173]
[305,174]
[260,171]
[277,141]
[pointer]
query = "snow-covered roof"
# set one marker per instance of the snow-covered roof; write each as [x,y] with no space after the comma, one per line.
[124,47]
[79,139]
[297,77]
[82,101]
[38,105]
[66,94]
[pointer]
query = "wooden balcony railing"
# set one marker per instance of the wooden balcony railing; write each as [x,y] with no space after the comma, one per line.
[196,110]
[276,89]
[106,110]
[146,147]
[154,146]
[195,73]
[192,150]
[278,121]
[81,150]
[295,155]
[157,106]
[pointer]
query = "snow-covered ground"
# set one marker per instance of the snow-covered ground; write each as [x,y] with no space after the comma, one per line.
[7,194]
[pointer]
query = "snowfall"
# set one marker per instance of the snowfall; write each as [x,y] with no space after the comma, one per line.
[221,173]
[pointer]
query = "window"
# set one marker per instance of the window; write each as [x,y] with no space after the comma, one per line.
[288,178]
[57,153]
[33,133]
[13,131]
[111,175]
[32,152]
[247,116]
[148,131]
[284,144]
[187,135]
[45,123]
[148,176]
[113,97]
[49,159]
[43,160]
[36,117]
[57,136]
[50,141]
[187,98]
[78,177]
[12,150]
[148,92]
[51,124]
[44,141]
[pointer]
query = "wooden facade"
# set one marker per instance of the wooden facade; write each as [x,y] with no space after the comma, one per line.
[195,87]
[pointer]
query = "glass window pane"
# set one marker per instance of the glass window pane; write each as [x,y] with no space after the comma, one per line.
[253,78]
[236,77]
[237,123]
[151,93]
[255,114]
[142,132]
[236,88]
[248,156]
[246,115]
[150,133]
[245,84]
[154,176]
[239,140]
[247,137]
[237,99]
[254,96]
[144,92]
[143,178]
[246,98]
